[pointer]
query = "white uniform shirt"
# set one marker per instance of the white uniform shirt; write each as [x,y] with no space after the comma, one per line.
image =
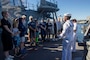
[74,29]
[75,26]
[67,32]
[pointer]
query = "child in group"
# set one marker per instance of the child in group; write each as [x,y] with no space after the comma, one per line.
[16,36]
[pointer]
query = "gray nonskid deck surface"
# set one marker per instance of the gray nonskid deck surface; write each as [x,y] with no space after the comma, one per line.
[51,51]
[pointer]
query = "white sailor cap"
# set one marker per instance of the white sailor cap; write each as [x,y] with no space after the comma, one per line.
[67,14]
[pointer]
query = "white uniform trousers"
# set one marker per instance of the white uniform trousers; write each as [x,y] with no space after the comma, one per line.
[73,47]
[67,52]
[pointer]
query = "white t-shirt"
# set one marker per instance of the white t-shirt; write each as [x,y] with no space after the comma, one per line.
[59,25]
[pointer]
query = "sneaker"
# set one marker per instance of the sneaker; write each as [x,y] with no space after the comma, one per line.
[8,58]
[18,54]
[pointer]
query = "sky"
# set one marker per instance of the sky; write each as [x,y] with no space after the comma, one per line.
[78,8]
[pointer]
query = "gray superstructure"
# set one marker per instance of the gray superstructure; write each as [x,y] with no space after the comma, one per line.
[44,9]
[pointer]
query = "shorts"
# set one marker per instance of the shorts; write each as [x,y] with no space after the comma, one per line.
[16,41]
[37,34]
[32,34]
[23,39]
[49,31]
[16,44]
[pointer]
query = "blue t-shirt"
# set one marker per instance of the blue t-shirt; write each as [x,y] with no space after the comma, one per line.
[32,24]
[22,28]
[43,24]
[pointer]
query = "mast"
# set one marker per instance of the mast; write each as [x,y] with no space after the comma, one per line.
[42,2]
[21,2]
[14,2]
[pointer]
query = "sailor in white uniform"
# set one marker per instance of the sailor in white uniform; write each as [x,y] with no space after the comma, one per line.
[74,35]
[67,35]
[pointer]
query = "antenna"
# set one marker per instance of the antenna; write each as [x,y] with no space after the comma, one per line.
[42,2]
[21,2]
[33,6]
[14,2]
[26,3]
[28,6]
[38,4]
[54,1]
